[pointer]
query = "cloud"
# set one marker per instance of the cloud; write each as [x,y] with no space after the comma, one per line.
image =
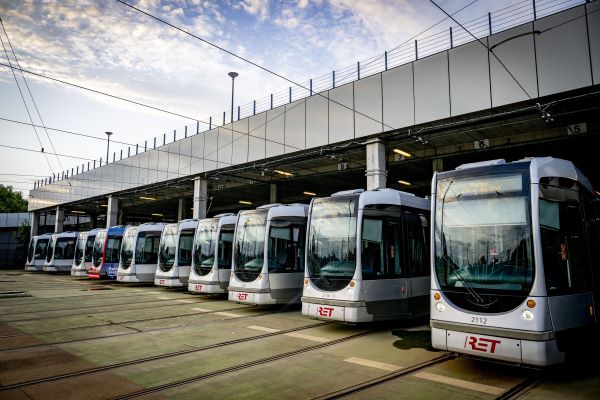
[260,8]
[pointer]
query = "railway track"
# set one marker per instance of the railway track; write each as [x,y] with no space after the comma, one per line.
[189,351]
[224,371]
[522,388]
[122,323]
[60,299]
[106,311]
[338,394]
[136,332]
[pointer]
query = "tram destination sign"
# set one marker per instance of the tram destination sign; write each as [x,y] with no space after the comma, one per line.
[480,185]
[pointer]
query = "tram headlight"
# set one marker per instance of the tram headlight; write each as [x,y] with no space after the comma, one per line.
[527,315]
[440,306]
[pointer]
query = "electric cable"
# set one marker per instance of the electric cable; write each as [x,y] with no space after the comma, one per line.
[25,104]
[30,94]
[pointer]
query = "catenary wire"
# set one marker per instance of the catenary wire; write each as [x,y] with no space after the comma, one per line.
[25,104]
[30,94]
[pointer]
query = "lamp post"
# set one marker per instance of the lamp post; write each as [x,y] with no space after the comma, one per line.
[233,75]
[107,144]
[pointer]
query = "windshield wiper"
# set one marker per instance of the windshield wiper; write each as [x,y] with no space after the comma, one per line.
[479,300]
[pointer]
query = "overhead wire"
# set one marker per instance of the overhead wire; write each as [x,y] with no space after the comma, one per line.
[231,53]
[486,47]
[26,107]
[30,94]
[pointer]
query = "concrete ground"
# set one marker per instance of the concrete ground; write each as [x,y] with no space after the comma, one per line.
[71,338]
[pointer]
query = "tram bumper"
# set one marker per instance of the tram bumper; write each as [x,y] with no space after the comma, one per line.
[252,296]
[208,287]
[520,347]
[335,310]
[79,272]
[167,281]
[129,278]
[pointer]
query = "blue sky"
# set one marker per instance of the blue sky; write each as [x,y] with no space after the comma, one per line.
[109,47]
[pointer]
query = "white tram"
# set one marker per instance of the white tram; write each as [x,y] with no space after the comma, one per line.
[40,248]
[175,254]
[367,256]
[139,253]
[30,262]
[513,273]
[213,246]
[60,253]
[83,253]
[268,255]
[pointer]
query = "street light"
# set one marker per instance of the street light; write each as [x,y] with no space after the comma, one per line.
[107,144]
[233,75]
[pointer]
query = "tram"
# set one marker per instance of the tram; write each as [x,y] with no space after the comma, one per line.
[39,252]
[175,254]
[268,255]
[139,253]
[60,252]
[513,277]
[105,254]
[83,253]
[211,262]
[30,262]
[367,256]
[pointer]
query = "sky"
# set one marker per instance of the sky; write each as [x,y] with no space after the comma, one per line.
[109,47]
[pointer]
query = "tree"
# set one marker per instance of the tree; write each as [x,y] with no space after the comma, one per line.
[11,201]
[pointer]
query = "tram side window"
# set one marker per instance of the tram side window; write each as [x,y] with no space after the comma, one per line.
[564,244]
[286,247]
[186,246]
[150,249]
[592,221]
[372,248]
[417,242]
[381,256]
[113,248]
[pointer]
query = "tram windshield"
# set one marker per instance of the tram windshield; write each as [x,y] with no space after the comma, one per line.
[483,240]
[41,247]
[204,246]
[127,247]
[168,244]
[31,250]
[146,247]
[89,248]
[98,251]
[79,249]
[286,246]
[250,244]
[225,246]
[332,242]
[50,251]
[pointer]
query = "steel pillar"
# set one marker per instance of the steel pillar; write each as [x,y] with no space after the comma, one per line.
[59,220]
[200,197]
[112,211]
[376,173]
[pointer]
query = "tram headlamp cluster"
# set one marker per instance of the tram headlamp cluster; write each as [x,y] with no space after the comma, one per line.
[527,315]
[440,306]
